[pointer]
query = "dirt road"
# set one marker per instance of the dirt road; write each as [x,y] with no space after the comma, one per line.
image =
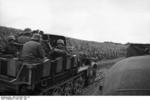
[103,67]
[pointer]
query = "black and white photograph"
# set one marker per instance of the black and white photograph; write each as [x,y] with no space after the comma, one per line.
[74,48]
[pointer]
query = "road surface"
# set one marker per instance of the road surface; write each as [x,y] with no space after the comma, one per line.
[103,67]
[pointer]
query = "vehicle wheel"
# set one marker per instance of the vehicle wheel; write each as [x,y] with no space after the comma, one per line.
[68,89]
[78,86]
[57,91]
[48,92]
[23,90]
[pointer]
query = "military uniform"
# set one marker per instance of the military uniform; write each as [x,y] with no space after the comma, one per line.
[59,50]
[23,39]
[12,46]
[46,46]
[33,50]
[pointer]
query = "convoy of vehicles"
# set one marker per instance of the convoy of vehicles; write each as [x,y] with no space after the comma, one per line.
[69,74]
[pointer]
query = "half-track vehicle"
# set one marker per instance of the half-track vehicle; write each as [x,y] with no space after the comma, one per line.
[64,75]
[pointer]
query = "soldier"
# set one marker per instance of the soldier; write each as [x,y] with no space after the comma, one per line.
[61,47]
[25,37]
[3,44]
[60,50]
[12,46]
[46,44]
[32,50]
[60,44]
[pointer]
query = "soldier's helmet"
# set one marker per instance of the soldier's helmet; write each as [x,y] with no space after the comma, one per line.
[60,41]
[36,37]
[27,32]
[11,37]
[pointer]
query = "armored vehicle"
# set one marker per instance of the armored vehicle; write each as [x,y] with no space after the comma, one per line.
[130,76]
[64,75]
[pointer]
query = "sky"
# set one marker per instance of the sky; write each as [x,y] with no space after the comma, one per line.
[119,21]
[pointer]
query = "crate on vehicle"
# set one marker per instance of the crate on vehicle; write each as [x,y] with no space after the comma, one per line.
[59,65]
[13,67]
[46,68]
[3,66]
[68,63]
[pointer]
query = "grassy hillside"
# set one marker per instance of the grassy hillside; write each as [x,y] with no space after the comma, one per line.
[5,32]
[101,50]
[106,50]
